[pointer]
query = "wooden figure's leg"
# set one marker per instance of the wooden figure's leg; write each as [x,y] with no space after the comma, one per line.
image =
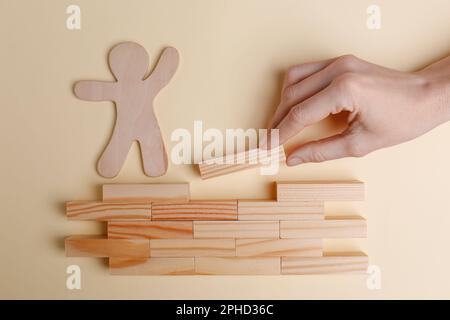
[116,151]
[154,155]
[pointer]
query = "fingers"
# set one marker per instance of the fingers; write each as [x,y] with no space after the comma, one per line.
[331,100]
[293,76]
[296,92]
[302,71]
[350,143]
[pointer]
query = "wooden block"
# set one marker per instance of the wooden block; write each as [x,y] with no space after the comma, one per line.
[241,161]
[152,266]
[100,247]
[354,227]
[320,191]
[133,94]
[236,229]
[150,229]
[144,193]
[192,248]
[237,266]
[275,210]
[104,211]
[328,264]
[279,247]
[196,210]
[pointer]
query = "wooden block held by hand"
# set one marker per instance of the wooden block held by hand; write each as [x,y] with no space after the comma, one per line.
[150,230]
[320,191]
[237,266]
[236,229]
[196,210]
[151,266]
[104,211]
[276,210]
[245,160]
[145,193]
[333,227]
[328,264]
[101,247]
[278,247]
[192,247]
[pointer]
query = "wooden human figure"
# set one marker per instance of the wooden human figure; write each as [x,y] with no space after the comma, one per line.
[133,95]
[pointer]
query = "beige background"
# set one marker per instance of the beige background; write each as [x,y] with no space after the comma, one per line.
[233,53]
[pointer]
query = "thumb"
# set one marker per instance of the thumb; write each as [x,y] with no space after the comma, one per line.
[335,147]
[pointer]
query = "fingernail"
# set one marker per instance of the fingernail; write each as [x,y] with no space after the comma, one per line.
[293,161]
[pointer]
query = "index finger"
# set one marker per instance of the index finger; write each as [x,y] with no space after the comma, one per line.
[312,110]
[293,76]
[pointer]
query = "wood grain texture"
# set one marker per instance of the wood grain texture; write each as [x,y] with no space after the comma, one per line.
[241,161]
[144,193]
[196,210]
[325,265]
[192,248]
[133,95]
[276,210]
[150,230]
[335,227]
[237,266]
[236,229]
[152,266]
[163,232]
[104,211]
[279,247]
[100,247]
[320,191]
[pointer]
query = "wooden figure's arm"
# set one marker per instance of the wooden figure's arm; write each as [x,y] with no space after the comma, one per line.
[95,90]
[165,69]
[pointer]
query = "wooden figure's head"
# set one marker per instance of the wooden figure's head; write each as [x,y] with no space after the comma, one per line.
[128,61]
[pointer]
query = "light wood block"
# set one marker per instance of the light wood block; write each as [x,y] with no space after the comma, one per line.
[237,266]
[152,266]
[236,229]
[279,247]
[275,210]
[150,230]
[133,94]
[241,161]
[325,265]
[320,191]
[144,193]
[104,211]
[328,228]
[100,247]
[192,248]
[196,210]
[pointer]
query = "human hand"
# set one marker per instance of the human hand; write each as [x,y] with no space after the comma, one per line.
[386,107]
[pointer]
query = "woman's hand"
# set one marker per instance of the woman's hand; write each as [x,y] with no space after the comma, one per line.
[386,107]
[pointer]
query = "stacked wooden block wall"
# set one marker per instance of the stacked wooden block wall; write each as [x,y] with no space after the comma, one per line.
[155,229]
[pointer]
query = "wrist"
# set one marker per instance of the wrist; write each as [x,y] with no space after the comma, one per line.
[437,92]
